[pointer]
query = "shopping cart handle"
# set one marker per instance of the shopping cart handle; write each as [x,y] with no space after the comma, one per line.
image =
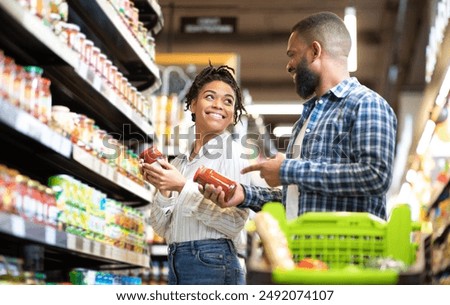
[416,226]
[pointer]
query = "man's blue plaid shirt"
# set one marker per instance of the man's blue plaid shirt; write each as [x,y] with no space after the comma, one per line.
[346,157]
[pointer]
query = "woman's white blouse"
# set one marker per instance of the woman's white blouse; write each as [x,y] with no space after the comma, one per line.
[187,216]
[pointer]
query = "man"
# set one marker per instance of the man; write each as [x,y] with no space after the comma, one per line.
[340,155]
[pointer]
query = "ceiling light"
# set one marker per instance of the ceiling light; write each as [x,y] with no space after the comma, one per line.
[282,131]
[275,109]
[445,88]
[350,22]
[426,137]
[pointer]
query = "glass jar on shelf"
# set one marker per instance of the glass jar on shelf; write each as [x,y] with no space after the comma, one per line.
[124,88]
[79,42]
[97,142]
[133,97]
[77,130]
[18,91]
[52,211]
[20,191]
[3,91]
[45,100]
[41,204]
[87,50]
[101,63]
[107,70]
[94,57]
[30,200]
[87,133]
[30,89]
[7,77]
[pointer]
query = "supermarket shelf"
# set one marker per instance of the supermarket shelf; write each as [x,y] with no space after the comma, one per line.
[109,173]
[31,127]
[72,84]
[17,226]
[438,189]
[25,136]
[119,39]
[34,26]
[109,95]
[150,14]
[441,233]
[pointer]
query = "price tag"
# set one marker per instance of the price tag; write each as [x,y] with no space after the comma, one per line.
[90,76]
[86,245]
[108,251]
[55,142]
[97,165]
[50,235]
[83,69]
[18,226]
[71,242]
[28,125]
[97,249]
[65,147]
[110,173]
[112,97]
[97,82]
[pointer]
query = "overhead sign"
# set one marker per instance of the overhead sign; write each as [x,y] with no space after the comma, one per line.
[210,25]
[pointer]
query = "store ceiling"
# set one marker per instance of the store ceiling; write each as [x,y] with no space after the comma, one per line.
[392,36]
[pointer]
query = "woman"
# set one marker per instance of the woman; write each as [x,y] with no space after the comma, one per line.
[201,235]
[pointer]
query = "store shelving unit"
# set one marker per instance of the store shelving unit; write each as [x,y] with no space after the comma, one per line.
[38,151]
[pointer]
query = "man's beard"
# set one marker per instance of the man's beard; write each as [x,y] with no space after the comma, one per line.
[306,81]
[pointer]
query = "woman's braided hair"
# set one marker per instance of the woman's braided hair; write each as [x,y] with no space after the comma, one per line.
[209,74]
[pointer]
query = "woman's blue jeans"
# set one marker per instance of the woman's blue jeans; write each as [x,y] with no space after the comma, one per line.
[205,262]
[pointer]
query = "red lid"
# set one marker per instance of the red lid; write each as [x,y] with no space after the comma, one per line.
[198,172]
[151,154]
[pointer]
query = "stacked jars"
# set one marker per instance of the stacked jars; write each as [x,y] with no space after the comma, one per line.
[25,87]
[26,197]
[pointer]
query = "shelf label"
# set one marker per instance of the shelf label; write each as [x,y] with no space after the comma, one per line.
[96,249]
[50,235]
[86,245]
[71,242]
[18,226]
[82,69]
[97,83]
[29,126]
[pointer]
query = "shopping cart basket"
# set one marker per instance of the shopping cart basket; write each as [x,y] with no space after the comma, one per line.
[348,242]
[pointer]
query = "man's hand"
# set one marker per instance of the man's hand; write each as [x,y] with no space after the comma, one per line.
[217,195]
[269,170]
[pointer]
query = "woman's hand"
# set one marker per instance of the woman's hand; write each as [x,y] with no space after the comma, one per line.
[217,195]
[166,178]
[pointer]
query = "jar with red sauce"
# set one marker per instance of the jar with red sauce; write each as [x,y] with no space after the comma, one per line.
[205,175]
[150,155]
